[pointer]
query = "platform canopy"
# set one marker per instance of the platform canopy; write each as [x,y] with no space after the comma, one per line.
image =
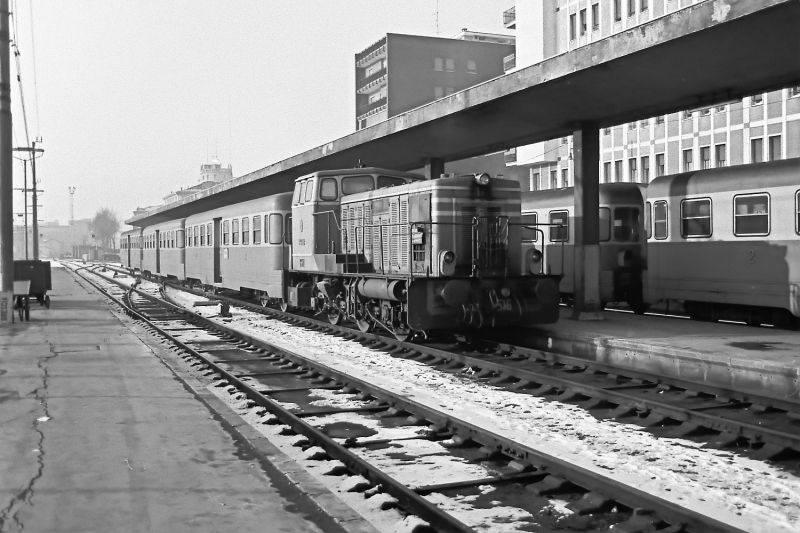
[713,52]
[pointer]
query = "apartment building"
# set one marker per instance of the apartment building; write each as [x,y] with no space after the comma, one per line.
[760,127]
[400,72]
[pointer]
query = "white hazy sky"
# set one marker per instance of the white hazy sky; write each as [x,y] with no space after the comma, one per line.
[133,96]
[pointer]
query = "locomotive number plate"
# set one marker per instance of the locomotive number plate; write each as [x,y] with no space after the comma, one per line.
[504,304]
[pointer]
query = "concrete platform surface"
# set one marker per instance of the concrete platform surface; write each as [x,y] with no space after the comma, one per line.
[97,433]
[756,360]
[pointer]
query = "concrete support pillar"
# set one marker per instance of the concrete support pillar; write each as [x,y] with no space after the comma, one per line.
[6,183]
[586,148]
[434,168]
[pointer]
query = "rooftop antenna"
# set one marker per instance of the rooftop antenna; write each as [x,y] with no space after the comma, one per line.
[71,204]
[437,18]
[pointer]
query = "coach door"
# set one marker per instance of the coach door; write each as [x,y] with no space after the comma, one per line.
[128,250]
[217,251]
[158,251]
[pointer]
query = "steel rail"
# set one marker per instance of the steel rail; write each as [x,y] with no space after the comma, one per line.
[529,457]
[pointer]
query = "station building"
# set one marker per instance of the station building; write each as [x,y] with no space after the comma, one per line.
[400,72]
[760,127]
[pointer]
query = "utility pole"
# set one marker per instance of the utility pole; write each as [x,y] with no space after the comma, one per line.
[71,204]
[6,176]
[35,206]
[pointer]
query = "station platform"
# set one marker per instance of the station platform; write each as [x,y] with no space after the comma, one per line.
[758,360]
[101,432]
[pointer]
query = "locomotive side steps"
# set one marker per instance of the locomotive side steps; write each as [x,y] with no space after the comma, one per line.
[763,362]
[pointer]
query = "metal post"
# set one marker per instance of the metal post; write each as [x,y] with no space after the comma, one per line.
[434,168]
[35,208]
[25,195]
[6,179]
[586,142]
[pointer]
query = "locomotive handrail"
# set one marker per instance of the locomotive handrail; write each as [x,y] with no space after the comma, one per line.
[561,242]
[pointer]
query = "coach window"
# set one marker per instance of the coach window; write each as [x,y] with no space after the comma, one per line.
[257,229]
[179,238]
[797,211]
[529,230]
[328,189]
[626,224]
[390,181]
[605,224]
[357,184]
[275,228]
[288,226]
[190,236]
[648,219]
[208,234]
[196,235]
[660,226]
[202,235]
[309,190]
[235,231]
[751,215]
[245,231]
[696,218]
[559,229]
[225,231]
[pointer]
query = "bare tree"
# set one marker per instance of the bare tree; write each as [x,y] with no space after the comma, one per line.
[105,225]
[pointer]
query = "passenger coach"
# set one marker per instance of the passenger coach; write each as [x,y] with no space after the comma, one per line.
[726,242]
[163,253]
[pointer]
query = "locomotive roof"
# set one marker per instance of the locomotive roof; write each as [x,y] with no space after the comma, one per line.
[728,179]
[610,193]
[461,182]
[363,170]
[276,202]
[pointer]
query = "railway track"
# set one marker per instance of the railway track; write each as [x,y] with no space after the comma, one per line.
[757,427]
[374,436]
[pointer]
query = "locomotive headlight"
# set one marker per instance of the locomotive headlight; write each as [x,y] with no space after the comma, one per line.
[482,179]
[505,292]
[449,257]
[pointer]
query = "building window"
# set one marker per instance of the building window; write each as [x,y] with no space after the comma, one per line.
[645,169]
[450,64]
[705,156]
[618,171]
[794,91]
[696,218]
[617,10]
[448,91]
[643,5]
[572,27]
[660,226]
[553,179]
[565,177]
[529,230]
[751,215]
[720,109]
[757,99]
[235,231]
[257,229]
[438,92]
[631,125]
[438,64]
[595,17]
[660,119]
[644,123]
[687,160]
[660,165]
[472,67]
[564,140]
[756,150]
[687,115]
[632,169]
[606,131]
[583,22]
[705,112]
[607,172]
[535,181]
[774,147]
[559,230]
[631,8]
[721,155]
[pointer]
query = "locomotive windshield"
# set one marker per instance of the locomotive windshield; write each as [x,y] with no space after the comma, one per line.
[357,184]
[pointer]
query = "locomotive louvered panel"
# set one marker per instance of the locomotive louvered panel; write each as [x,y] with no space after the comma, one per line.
[467,215]
[358,221]
[404,235]
[392,230]
[366,236]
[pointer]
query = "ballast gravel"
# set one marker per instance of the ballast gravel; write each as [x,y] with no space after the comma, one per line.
[751,495]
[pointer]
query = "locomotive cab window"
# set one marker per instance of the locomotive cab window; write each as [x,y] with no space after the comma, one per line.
[559,230]
[529,230]
[357,184]
[390,181]
[328,189]
[626,224]
[605,224]
[660,227]
[298,187]
[696,217]
[309,190]
[751,215]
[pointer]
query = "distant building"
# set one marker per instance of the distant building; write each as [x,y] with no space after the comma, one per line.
[760,127]
[401,72]
[54,239]
[210,174]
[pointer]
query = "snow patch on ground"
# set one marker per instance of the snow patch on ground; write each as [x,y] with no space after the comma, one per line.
[752,495]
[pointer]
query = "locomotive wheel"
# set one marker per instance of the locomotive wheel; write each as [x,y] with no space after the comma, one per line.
[335,316]
[402,333]
[264,301]
[284,306]
[364,325]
